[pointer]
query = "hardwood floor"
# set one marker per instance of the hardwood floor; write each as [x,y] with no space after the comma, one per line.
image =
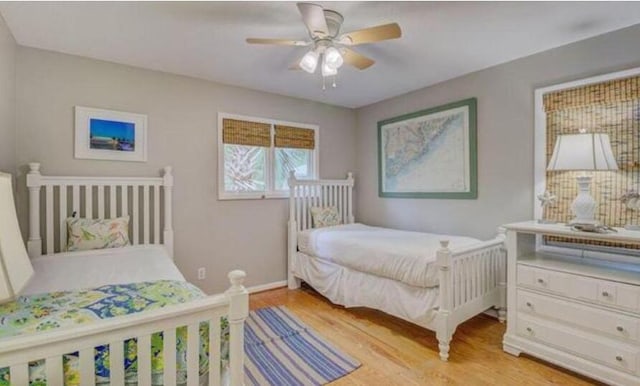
[395,352]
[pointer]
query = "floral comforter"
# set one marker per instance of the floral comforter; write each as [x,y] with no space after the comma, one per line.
[35,313]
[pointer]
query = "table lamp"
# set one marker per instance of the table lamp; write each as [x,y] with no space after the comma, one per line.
[15,267]
[583,152]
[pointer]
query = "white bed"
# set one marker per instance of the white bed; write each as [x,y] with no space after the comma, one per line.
[435,281]
[147,200]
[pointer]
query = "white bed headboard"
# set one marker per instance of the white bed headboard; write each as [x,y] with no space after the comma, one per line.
[305,194]
[147,200]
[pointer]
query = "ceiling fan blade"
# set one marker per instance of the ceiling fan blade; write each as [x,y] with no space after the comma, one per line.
[313,17]
[372,34]
[280,42]
[355,59]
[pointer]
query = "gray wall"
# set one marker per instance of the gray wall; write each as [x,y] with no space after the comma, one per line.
[182,113]
[505,136]
[7,99]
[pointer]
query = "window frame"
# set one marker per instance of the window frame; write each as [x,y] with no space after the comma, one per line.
[270,192]
[540,166]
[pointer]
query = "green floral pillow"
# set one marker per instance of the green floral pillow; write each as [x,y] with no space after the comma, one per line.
[325,217]
[85,233]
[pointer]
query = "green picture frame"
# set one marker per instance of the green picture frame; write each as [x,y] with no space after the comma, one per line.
[442,138]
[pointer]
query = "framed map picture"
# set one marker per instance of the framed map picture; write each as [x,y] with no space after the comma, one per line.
[430,153]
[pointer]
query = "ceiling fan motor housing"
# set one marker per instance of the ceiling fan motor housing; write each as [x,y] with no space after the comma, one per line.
[334,22]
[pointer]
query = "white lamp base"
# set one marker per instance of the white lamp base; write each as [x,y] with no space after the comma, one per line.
[584,206]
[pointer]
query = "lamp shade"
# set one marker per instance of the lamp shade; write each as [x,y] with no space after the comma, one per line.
[15,266]
[582,152]
[309,61]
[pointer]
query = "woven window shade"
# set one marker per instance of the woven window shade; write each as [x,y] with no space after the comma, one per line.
[236,132]
[613,108]
[615,91]
[295,137]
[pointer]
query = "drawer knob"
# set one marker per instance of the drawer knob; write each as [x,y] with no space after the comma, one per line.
[529,330]
[605,294]
[529,304]
[619,358]
[540,280]
[620,328]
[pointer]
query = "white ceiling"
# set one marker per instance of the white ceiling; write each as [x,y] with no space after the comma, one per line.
[441,40]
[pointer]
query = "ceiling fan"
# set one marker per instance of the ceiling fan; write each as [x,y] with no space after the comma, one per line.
[328,47]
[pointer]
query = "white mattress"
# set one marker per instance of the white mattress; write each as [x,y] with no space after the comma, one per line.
[351,288]
[404,256]
[90,269]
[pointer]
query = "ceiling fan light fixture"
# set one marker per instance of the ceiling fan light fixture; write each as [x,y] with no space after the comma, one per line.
[309,61]
[328,70]
[332,58]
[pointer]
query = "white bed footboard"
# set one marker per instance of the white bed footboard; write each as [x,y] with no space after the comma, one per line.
[472,280]
[16,353]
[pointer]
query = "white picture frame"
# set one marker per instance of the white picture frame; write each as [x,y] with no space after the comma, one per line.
[110,135]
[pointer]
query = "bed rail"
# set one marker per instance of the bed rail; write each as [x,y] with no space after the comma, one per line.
[52,199]
[16,353]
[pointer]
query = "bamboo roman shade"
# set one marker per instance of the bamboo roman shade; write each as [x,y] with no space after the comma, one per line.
[615,91]
[295,137]
[613,108]
[238,132]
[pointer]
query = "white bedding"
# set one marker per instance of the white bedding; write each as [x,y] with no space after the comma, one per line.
[404,256]
[90,269]
[351,288]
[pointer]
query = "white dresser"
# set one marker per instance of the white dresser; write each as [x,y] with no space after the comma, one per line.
[579,313]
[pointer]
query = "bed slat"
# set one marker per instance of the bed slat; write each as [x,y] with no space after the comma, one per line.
[87,367]
[54,369]
[116,358]
[156,215]
[88,201]
[63,217]
[100,201]
[113,196]
[19,375]
[214,351]
[75,200]
[49,218]
[193,349]
[305,210]
[146,212]
[169,356]
[144,359]
[124,200]
[136,214]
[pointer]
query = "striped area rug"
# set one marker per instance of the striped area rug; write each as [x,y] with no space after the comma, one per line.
[282,351]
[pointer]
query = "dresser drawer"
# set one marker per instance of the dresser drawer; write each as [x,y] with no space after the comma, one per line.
[608,352]
[608,293]
[544,280]
[589,318]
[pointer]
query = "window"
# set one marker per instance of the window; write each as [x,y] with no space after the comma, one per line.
[256,155]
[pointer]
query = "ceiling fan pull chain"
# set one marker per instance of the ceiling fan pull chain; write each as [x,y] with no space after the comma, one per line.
[334,81]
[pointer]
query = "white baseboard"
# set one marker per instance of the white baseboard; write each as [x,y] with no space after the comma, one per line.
[267,287]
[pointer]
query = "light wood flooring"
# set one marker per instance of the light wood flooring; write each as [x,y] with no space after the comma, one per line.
[395,352]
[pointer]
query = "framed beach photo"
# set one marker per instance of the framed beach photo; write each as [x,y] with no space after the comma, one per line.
[110,135]
[430,153]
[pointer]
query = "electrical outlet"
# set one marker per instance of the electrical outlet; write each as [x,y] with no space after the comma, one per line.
[202,273]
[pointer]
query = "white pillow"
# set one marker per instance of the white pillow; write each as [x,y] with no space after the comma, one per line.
[85,234]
